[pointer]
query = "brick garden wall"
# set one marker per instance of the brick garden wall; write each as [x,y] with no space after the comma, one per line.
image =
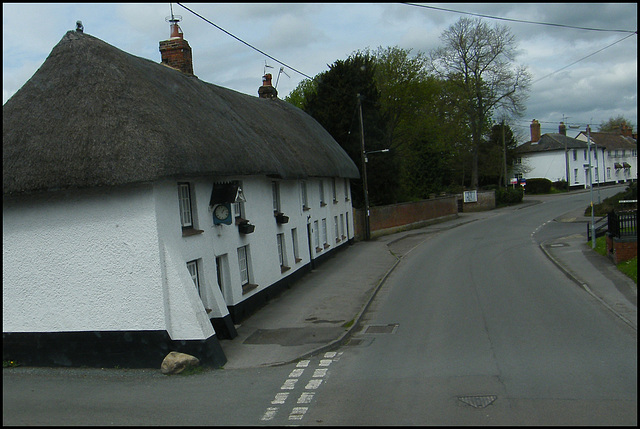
[397,217]
[621,249]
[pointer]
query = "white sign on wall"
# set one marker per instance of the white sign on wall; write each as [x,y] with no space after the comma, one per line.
[470,196]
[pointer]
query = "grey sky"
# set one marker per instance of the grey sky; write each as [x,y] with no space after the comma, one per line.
[311,36]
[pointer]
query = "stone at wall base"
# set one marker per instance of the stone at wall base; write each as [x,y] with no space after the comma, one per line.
[176,362]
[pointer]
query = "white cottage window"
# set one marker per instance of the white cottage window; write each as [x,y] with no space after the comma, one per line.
[243,264]
[275,191]
[192,266]
[282,253]
[184,199]
[294,239]
[321,191]
[324,233]
[303,195]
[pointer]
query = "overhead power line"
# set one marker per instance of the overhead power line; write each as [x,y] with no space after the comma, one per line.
[242,41]
[583,58]
[519,20]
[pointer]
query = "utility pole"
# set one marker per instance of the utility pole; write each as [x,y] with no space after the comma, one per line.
[504,155]
[367,230]
[593,224]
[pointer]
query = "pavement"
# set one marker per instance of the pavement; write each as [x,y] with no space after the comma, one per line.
[324,307]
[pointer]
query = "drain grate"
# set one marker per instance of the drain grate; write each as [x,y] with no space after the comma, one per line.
[478,401]
[381,329]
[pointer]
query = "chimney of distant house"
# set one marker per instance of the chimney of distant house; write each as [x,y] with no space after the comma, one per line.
[535,131]
[267,90]
[626,130]
[175,51]
[562,129]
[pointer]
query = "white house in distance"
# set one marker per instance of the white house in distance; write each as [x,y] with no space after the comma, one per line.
[146,211]
[556,157]
[617,155]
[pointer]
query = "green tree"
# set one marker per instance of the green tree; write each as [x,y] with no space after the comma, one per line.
[492,155]
[614,124]
[334,104]
[478,59]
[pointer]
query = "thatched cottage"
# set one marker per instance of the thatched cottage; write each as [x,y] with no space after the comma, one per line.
[146,211]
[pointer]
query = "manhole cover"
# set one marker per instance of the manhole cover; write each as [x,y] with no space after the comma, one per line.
[478,401]
[382,329]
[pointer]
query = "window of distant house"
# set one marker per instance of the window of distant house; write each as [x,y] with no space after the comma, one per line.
[575,175]
[303,195]
[335,228]
[275,192]
[584,154]
[608,172]
[321,191]
[634,152]
[517,161]
[184,199]
[192,266]
[575,155]
[342,225]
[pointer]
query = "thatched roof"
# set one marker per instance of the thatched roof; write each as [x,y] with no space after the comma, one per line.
[93,115]
[550,142]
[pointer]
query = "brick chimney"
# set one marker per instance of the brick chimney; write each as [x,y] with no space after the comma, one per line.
[267,90]
[535,131]
[176,52]
[626,130]
[562,129]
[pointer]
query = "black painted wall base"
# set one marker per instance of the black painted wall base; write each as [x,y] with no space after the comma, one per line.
[105,349]
[224,327]
[246,308]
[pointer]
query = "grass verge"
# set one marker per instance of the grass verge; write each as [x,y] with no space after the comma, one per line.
[628,268]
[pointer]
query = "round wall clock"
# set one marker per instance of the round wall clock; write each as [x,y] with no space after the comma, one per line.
[221,213]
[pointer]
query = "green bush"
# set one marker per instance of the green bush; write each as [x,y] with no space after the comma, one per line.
[560,185]
[612,203]
[538,186]
[509,195]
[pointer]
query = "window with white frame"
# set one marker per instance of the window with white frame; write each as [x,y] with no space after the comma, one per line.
[608,172]
[243,264]
[321,191]
[184,199]
[335,228]
[238,208]
[192,266]
[303,195]
[575,175]
[341,224]
[346,189]
[324,233]
[316,234]
[275,192]
[333,190]
[282,252]
[294,239]
[575,155]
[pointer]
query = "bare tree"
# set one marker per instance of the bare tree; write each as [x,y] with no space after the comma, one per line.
[479,60]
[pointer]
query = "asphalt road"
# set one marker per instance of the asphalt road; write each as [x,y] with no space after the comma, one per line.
[486,330]
[474,326]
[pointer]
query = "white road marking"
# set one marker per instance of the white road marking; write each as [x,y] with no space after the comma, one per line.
[280,398]
[313,384]
[270,413]
[289,384]
[320,372]
[296,373]
[303,363]
[298,413]
[306,397]
[325,362]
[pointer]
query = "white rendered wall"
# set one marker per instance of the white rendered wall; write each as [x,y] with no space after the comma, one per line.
[81,261]
[548,165]
[224,240]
